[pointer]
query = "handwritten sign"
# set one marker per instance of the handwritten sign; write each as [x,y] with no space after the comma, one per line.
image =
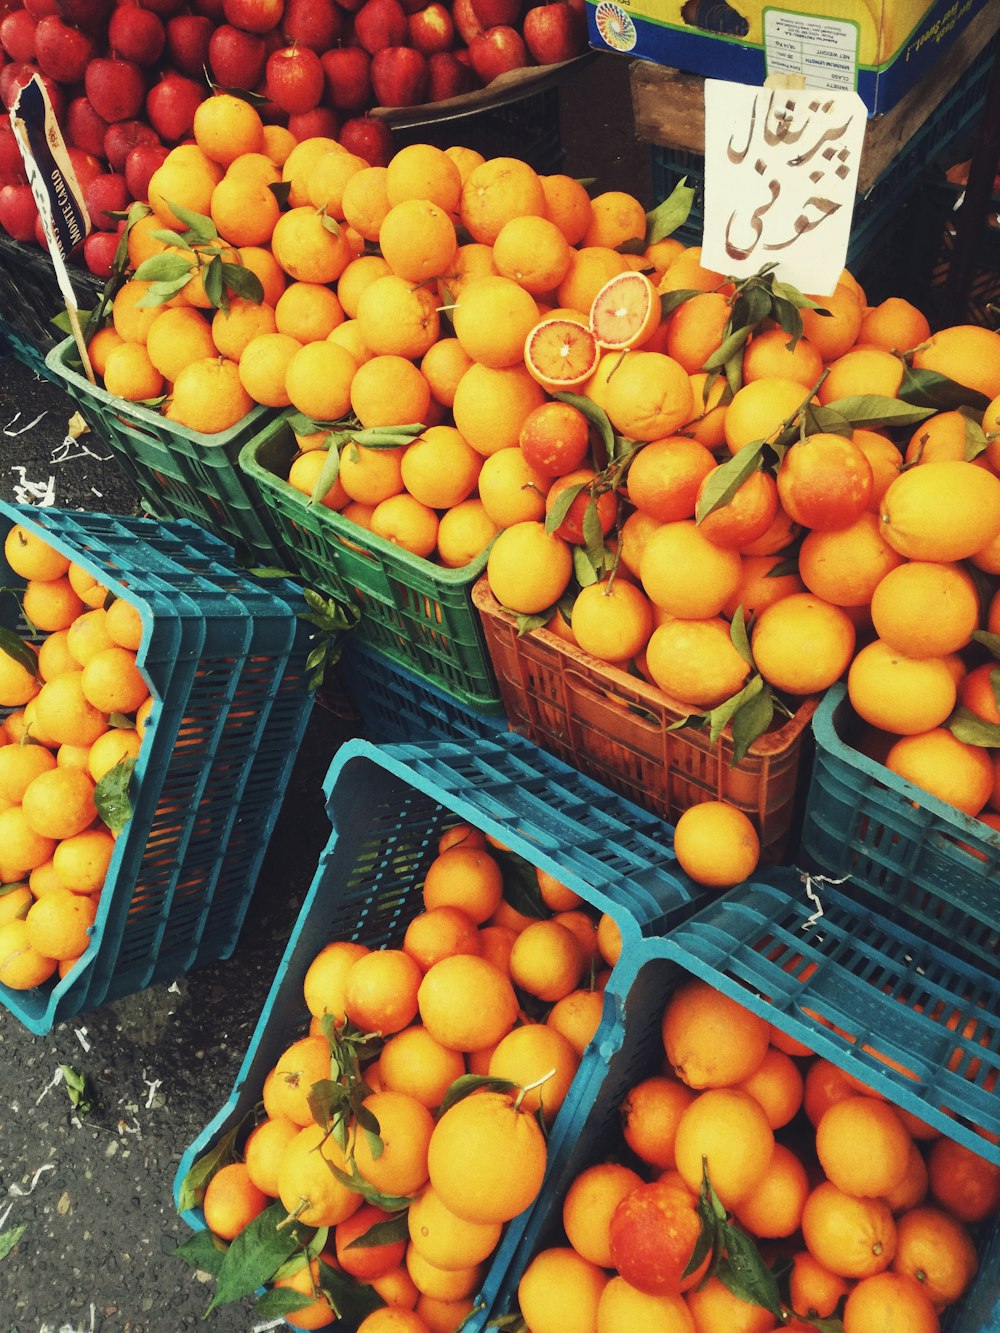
[781,170]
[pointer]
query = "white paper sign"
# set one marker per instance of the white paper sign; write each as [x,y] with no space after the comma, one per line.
[781,171]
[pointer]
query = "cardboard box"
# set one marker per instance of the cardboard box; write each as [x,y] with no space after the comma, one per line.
[880,47]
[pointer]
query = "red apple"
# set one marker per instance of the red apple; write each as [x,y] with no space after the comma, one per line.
[431,28]
[106,194]
[63,52]
[11,162]
[368,137]
[187,37]
[39,8]
[347,70]
[258,16]
[554,32]
[90,15]
[84,127]
[17,35]
[124,135]
[140,164]
[171,104]
[293,79]
[494,13]
[210,9]
[399,76]
[466,24]
[99,249]
[321,122]
[86,166]
[317,24]
[236,58]
[14,76]
[381,23]
[496,51]
[136,34]
[116,89]
[449,76]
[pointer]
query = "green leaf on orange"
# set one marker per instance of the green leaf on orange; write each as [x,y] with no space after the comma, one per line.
[469,1083]
[15,647]
[872,410]
[254,1256]
[673,212]
[390,1231]
[724,481]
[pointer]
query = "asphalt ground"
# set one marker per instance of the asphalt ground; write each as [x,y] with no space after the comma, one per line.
[94,1192]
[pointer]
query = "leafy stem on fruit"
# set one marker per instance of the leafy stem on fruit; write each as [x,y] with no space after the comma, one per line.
[346,431]
[196,251]
[525,1088]
[15,648]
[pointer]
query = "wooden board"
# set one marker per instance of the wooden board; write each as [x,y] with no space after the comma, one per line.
[668,105]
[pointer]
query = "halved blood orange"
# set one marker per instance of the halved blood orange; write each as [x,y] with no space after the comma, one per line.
[560,353]
[625,312]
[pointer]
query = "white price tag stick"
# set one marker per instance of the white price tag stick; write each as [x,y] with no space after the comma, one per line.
[56,190]
[781,171]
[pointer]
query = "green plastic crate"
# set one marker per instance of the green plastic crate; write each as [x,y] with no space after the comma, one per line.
[178,473]
[418,614]
[225,659]
[905,852]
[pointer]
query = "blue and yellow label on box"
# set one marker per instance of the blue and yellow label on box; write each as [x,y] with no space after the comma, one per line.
[881,48]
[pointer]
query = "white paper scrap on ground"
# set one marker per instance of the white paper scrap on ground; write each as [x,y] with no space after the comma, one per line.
[781,171]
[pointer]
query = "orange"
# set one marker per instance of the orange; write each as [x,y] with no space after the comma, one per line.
[423,171]
[443,365]
[895,325]
[466,1003]
[711,1040]
[23,848]
[208,396]
[623,1308]
[687,272]
[649,396]
[464,532]
[533,1052]
[21,966]
[941,511]
[51,604]
[976,692]
[397,1165]
[31,556]
[834,327]
[862,1146]
[612,621]
[323,985]
[777,1084]
[650,1113]
[824,481]
[696,329]
[244,210]
[900,694]
[389,1319]
[414,1062]
[845,565]
[309,246]
[380,991]
[589,1205]
[813,1289]
[436,934]
[966,353]
[774,354]
[444,1239]
[417,240]
[725,1132]
[306,1184]
[465,877]
[19,765]
[938,1251]
[389,390]
[686,574]
[912,1189]
[761,410]
[945,435]
[716,844]
[652,1237]
[925,608]
[231,1201]
[747,515]
[560,354]
[625,312]
[802,644]
[407,523]
[112,682]
[890,1303]
[546,960]
[303,1063]
[440,468]
[761,583]
[487,1158]
[714,1308]
[665,475]
[883,458]
[528,568]
[533,252]
[18,685]
[590,503]
[59,802]
[497,190]
[226,126]
[577,1016]
[851,1236]
[262,1152]
[962,1182]
[60,923]
[396,318]
[695,662]
[616,218]
[568,205]
[939,763]
[511,490]
[81,862]
[862,370]
[590,267]
[492,319]
[824,1084]
[559,1292]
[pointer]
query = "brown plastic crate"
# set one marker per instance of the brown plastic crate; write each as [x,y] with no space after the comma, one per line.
[617,728]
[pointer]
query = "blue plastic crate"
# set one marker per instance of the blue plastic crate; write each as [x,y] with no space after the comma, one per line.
[880,208]
[913,857]
[388,807]
[225,660]
[850,986]
[396,705]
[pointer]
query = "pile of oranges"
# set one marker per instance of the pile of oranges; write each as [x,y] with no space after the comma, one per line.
[76,704]
[871,1216]
[416,1102]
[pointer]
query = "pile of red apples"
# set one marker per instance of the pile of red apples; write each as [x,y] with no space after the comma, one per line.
[124,78]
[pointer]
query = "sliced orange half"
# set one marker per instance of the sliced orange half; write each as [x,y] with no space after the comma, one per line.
[560,353]
[625,312]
